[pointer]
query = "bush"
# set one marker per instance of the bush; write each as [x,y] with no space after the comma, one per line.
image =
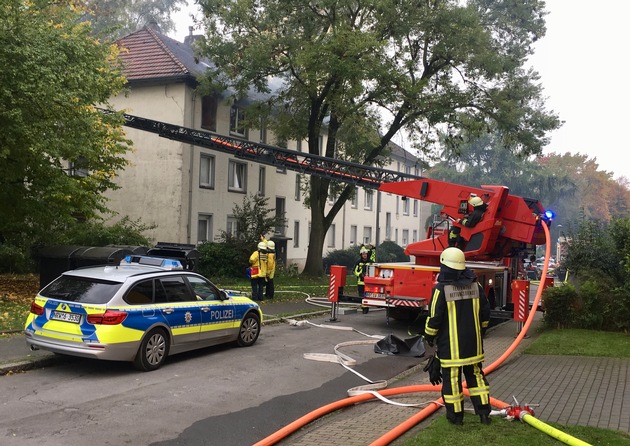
[223,260]
[14,259]
[343,257]
[560,304]
[390,252]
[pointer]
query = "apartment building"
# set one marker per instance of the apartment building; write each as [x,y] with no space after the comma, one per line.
[188,192]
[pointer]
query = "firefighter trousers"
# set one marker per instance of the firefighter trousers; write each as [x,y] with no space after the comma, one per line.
[452,390]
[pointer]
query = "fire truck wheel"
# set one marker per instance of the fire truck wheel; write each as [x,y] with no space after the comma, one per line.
[365,310]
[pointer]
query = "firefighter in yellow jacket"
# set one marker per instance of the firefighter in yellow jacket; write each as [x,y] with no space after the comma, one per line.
[271,269]
[258,270]
[459,315]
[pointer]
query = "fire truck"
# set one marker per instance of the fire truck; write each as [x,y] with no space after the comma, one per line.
[510,227]
[508,231]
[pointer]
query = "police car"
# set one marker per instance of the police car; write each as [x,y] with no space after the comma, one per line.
[142,310]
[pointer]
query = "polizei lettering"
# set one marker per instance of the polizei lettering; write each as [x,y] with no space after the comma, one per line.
[219,315]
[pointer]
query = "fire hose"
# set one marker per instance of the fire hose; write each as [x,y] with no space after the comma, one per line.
[525,414]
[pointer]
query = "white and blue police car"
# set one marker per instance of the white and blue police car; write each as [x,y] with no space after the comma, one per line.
[142,311]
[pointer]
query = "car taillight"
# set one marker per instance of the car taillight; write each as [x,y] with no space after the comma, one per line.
[37,309]
[110,317]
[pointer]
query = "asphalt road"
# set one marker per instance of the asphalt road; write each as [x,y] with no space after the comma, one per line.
[216,396]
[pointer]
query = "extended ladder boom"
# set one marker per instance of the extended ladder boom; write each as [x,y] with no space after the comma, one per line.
[368,177]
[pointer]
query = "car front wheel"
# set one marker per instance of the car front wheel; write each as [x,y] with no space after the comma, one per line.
[249,331]
[153,351]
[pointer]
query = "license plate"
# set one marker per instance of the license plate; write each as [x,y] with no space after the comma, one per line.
[375,295]
[75,318]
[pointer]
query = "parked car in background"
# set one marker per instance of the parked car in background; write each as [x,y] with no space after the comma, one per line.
[142,311]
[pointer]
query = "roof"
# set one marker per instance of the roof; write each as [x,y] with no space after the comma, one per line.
[148,55]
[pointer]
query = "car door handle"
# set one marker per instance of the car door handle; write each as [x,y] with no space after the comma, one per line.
[168,310]
[205,309]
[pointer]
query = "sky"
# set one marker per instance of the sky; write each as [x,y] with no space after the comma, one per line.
[582,65]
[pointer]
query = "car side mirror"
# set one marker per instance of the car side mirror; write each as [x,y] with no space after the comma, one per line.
[223,295]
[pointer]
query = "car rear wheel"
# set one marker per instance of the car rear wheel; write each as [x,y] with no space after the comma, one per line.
[153,351]
[249,331]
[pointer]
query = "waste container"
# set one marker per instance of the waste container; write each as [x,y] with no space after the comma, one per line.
[185,253]
[100,255]
[54,260]
[138,250]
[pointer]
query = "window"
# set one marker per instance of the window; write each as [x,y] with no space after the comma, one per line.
[369,199]
[204,228]
[405,201]
[237,174]
[396,235]
[78,169]
[354,203]
[237,119]
[388,226]
[331,236]
[353,235]
[176,289]
[415,236]
[141,293]
[209,106]
[203,290]
[263,131]
[405,237]
[415,208]
[262,178]
[397,205]
[280,211]
[296,234]
[298,145]
[298,192]
[231,227]
[367,234]
[206,171]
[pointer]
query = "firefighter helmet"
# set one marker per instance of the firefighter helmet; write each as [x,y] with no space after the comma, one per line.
[475,201]
[271,245]
[453,258]
[364,250]
[262,246]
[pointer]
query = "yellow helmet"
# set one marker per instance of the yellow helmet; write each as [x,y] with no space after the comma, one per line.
[453,258]
[364,250]
[475,201]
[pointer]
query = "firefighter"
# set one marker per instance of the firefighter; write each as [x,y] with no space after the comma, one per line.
[468,221]
[360,269]
[459,316]
[271,269]
[258,271]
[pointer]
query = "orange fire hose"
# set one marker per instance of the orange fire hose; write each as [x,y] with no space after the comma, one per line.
[427,411]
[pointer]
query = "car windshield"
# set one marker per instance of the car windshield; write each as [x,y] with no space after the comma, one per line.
[81,289]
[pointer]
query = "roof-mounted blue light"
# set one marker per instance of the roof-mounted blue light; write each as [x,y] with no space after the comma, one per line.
[160,262]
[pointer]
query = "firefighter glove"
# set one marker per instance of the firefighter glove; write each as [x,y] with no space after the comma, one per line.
[434,369]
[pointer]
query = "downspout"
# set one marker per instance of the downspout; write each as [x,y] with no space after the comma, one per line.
[190,171]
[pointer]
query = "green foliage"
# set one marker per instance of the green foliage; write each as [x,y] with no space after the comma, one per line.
[15,259]
[389,251]
[253,219]
[342,257]
[222,260]
[97,233]
[229,256]
[560,305]
[53,71]
[335,74]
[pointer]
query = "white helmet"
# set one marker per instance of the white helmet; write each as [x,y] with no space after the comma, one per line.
[453,258]
[475,201]
[262,246]
[271,245]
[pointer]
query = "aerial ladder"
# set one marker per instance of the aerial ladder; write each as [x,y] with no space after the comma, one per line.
[511,225]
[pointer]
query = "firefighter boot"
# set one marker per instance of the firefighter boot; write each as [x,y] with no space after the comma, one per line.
[485,419]
[456,418]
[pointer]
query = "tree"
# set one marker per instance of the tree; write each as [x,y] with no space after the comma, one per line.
[374,68]
[53,72]
[115,18]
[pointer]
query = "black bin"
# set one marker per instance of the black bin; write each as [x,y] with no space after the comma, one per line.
[100,255]
[187,254]
[54,260]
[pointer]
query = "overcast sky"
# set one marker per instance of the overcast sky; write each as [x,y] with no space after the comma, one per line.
[582,63]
